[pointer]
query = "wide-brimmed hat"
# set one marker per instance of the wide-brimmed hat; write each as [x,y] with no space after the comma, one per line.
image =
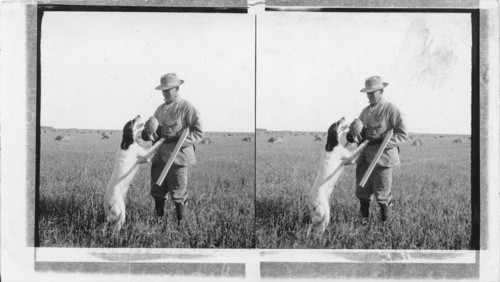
[374,83]
[169,81]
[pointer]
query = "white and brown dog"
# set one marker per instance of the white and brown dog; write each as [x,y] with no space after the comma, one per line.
[331,166]
[134,149]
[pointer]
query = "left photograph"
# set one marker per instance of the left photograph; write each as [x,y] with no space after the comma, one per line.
[147,130]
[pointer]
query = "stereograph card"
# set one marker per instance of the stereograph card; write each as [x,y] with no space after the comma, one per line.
[255,69]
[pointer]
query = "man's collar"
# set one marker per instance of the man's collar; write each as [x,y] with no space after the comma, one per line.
[379,102]
[175,100]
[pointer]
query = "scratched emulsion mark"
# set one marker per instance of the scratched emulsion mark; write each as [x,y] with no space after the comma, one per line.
[398,256]
[147,256]
[426,58]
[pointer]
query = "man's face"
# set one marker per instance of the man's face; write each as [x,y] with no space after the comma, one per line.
[374,96]
[170,94]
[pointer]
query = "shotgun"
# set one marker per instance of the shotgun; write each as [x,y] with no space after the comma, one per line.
[154,148]
[356,152]
[375,159]
[172,157]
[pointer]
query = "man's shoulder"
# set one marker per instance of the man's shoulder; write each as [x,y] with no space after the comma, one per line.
[159,108]
[186,104]
[365,109]
[388,103]
[391,106]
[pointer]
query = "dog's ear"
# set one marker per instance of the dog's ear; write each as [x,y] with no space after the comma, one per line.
[128,135]
[332,139]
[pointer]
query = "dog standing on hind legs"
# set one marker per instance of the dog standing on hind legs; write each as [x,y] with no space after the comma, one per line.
[134,150]
[331,166]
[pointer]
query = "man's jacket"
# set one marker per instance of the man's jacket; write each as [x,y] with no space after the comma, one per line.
[174,118]
[378,121]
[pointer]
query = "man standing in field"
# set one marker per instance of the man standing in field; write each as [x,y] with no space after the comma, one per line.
[378,119]
[174,116]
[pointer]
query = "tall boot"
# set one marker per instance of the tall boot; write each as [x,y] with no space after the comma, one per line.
[159,207]
[364,208]
[385,212]
[365,211]
[180,211]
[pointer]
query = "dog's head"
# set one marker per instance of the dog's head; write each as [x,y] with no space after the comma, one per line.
[334,132]
[131,131]
[150,132]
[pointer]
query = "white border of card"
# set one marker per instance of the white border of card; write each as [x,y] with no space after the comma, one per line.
[21,261]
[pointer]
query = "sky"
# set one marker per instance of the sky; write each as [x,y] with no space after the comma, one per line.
[311,67]
[100,69]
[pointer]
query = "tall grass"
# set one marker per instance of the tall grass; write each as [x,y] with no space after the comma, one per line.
[431,189]
[74,175]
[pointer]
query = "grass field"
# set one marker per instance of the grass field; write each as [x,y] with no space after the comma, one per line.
[431,190]
[74,175]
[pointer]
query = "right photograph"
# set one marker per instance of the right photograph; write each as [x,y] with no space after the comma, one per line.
[363,130]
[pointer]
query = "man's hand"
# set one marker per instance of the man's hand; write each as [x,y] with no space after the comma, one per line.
[350,138]
[144,160]
[158,133]
[378,140]
[374,141]
[353,161]
[173,138]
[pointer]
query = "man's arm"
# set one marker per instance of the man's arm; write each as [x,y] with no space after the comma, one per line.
[400,135]
[158,129]
[193,120]
[396,120]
